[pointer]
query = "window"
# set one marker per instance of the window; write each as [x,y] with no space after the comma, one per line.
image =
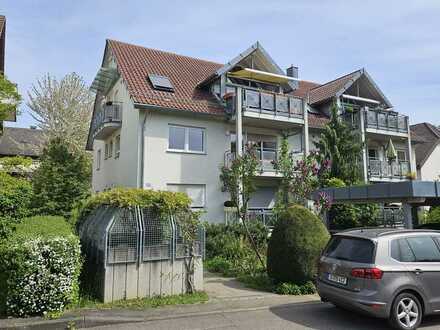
[424,249]
[161,82]
[98,159]
[372,153]
[401,155]
[195,191]
[401,251]
[110,149]
[186,139]
[117,146]
[351,249]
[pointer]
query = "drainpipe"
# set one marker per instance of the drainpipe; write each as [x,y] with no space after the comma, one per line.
[306,126]
[141,138]
[410,159]
[364,144]
[239,132]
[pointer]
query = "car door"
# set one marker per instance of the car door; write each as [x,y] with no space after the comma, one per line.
[425,268]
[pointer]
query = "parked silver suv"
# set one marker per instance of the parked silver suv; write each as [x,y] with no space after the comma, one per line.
[387,273]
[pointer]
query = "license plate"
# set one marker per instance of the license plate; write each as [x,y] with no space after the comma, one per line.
[337,279]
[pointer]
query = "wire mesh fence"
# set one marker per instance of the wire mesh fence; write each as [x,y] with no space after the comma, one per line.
[128,235]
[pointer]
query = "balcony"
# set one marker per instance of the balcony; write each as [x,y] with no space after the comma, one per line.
[376,120]
[393,217]
[384,120]
[268,105]
[107,120]
[266,159]
[380,169]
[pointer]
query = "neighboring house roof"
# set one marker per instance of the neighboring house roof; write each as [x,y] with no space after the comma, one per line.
[185,73]
[15,141]
[429,136]
[2,23]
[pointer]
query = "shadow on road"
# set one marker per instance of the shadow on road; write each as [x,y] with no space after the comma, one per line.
[323,316]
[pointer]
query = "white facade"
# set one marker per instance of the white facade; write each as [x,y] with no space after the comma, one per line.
[430,170]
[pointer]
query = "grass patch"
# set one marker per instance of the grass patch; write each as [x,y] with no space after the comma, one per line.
[145,303]
[43,226]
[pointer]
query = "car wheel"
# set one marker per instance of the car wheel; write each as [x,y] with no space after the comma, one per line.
[406,312]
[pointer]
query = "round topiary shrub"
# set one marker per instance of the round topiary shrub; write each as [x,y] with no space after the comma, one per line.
[295,246]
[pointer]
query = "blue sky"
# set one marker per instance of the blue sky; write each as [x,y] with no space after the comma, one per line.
[398,42]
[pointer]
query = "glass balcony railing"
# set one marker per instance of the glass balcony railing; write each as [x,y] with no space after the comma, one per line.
[384,169]
[386,120]
[266,102]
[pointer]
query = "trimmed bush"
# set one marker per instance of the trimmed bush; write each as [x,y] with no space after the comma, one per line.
[433,215]
[15,199]
[39,268]
[295,246]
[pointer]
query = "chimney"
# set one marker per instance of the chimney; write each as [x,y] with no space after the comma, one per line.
[292,71]
[33,127]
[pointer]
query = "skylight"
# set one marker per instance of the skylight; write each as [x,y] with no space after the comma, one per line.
[161,82]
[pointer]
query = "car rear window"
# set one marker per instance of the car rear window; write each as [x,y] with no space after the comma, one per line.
[351,249]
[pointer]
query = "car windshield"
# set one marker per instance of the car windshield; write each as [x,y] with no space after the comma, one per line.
[351,249]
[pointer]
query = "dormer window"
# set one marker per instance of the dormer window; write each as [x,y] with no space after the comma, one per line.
[161,83]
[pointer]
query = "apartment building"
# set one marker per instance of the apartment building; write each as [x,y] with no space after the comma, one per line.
[170,122]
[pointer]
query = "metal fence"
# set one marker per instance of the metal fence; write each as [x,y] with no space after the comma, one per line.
[130,235]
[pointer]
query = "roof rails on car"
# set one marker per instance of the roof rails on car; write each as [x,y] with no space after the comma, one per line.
[404,231]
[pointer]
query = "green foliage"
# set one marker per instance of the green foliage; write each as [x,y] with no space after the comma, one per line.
[39,268]
[335,183]
[295,246]
[163,201]
[294,289]
[433,215]
[9,98]
[15,200]
[341,146]
[144,303]
[285,166]
[346,216]
[16,162]
[61,180]
[229,251]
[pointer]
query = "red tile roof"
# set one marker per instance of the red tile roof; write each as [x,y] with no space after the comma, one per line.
[136,62]
[304,87]
[2,23]
[317,120]
[328,90]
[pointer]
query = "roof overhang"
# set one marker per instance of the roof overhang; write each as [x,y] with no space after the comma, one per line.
[262,76]
[412,192]
[104,80]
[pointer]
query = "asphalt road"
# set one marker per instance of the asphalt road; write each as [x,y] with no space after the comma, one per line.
[314,315]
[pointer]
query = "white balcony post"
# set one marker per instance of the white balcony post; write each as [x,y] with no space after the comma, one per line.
[410,159]
[364,144]
[239,135]
[306,126]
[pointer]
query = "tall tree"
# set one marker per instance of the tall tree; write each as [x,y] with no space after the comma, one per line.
[9,99]
[341,146]
[61,180]
[62,108]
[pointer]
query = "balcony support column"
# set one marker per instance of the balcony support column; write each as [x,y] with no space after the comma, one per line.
[239,135]
[410,158]
[407,213]
[306,127]
[364,144]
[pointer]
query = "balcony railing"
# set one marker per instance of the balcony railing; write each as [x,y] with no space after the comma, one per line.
[108,118]
[384,169]
[263,215]
[379,119]
[267,159]
[265,102]
[391,217]
[386,120]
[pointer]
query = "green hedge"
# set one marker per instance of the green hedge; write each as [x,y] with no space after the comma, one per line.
[15,200]
[295,246]
[39,268]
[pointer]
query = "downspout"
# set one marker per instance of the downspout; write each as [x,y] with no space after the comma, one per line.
[141,151]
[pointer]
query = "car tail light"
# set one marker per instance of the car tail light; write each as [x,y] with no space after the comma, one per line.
[368,273]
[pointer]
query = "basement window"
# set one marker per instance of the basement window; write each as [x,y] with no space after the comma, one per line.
[161,83]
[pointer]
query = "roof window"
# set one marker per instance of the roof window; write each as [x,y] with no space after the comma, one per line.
[161,83]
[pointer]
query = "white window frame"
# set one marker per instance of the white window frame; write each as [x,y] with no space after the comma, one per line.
[201,207]
[98,159]
[405,152]
[186,145]
[117,145]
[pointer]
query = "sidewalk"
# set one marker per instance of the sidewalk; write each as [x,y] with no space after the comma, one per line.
[227,295]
